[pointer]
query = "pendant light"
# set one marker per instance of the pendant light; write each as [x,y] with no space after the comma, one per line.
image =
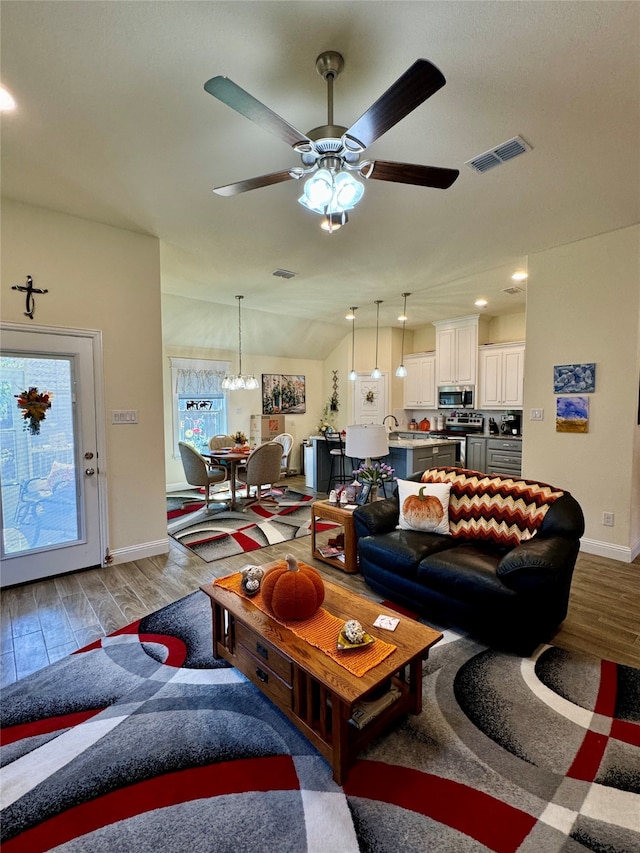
[238,381]
[376,373]
[352,316]
[401,370]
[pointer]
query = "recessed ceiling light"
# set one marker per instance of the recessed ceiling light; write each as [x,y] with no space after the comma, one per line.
[7,103]
[481,303]
[520,276]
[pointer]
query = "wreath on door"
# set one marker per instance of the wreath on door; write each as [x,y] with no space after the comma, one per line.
[34,407]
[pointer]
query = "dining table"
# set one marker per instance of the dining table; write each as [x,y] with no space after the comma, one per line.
[230,458]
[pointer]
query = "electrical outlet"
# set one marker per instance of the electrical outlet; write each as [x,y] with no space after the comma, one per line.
[607,519]
[536,415]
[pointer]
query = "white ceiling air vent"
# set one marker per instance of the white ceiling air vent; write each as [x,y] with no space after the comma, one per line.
[499,155]
[284,273]
[513,289]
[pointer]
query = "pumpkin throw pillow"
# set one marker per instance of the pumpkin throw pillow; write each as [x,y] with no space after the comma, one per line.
[424,506]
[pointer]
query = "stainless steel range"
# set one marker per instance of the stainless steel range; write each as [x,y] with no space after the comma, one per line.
[465,422]
[462,424]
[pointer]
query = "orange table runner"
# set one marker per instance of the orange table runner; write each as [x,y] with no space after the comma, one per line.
[320,630]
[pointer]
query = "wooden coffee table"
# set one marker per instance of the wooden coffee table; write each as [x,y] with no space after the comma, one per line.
[317,694]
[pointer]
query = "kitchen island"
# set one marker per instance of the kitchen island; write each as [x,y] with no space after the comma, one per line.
[408,455]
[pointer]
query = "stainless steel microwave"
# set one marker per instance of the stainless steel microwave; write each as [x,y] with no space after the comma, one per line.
[456,396]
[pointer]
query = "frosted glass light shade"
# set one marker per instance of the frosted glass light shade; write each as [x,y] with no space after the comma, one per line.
[327,194]
[401,371]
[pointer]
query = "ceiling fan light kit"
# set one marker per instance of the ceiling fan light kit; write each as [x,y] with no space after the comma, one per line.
[330,153]
[334,221]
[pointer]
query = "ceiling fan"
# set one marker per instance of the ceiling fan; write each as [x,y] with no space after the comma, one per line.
[331,153]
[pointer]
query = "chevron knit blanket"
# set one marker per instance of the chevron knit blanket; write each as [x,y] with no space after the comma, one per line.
[496,509]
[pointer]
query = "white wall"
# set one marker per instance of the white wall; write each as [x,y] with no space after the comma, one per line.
[103,278]
[583,304]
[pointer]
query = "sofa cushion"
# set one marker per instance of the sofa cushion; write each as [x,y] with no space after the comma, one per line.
[466,572]
[424,506]
[400,551]
[496,509]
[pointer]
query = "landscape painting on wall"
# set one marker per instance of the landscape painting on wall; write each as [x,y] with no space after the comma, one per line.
[574,378]
[572,414]
[283,394]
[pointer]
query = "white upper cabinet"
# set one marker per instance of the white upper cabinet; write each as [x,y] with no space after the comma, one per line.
[420,382]
[457,351]
[501,376]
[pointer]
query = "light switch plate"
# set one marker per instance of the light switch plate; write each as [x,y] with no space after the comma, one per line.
[124,416]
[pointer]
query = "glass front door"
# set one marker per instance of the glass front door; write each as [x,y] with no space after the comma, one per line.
[48,466]
[39,472]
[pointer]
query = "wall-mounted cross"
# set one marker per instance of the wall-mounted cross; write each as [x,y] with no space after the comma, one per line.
[29,289]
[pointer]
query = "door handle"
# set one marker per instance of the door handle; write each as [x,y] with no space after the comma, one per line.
[89,471]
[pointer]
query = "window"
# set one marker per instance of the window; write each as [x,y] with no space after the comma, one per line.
[200,404]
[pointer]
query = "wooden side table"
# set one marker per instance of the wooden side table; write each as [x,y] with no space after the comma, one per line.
[344,517]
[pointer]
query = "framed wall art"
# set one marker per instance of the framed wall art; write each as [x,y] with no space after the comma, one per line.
[283,394]
[574,378]
[572,414]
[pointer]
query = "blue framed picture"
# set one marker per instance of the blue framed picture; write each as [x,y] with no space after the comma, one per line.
[572,414]
[574,378]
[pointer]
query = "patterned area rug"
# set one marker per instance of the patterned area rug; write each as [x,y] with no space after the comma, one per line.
[224,533]
[143,742]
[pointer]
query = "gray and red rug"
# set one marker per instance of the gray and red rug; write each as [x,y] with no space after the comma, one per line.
[143,742]
[225,533]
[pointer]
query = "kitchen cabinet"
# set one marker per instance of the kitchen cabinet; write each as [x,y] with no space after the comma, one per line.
[504,456]
[501,376]
[407,461]
[420,382]
[476,453]
[457,351]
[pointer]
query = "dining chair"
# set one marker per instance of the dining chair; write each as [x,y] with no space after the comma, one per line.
[218,441]
[263,468]
[286,440]
[197,472]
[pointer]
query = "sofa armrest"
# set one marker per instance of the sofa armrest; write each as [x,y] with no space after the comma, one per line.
[376,517]
[538,563]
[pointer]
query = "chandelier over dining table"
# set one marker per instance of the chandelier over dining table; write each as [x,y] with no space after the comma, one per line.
[240,381]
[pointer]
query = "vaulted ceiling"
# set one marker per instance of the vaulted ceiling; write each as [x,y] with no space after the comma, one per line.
[113,124]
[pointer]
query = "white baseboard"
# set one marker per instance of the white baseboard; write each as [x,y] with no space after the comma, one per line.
[178,487]
[606,549]
[138,552]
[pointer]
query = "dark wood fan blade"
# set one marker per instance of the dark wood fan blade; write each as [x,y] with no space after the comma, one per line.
[254,183]
[242,102]
[408,173]
[418,83]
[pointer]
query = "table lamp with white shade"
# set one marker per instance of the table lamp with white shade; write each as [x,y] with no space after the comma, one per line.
[366,441]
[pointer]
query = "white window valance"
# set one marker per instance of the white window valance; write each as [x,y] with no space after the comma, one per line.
[198,376]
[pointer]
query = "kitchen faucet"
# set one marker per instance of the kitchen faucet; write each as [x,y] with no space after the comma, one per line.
[395,420]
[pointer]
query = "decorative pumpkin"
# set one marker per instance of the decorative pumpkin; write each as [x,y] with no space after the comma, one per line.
[420,509]
[292,590]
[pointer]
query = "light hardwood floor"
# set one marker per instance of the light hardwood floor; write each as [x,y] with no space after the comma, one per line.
[46,620]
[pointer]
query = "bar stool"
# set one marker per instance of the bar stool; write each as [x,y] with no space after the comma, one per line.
[335,446]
